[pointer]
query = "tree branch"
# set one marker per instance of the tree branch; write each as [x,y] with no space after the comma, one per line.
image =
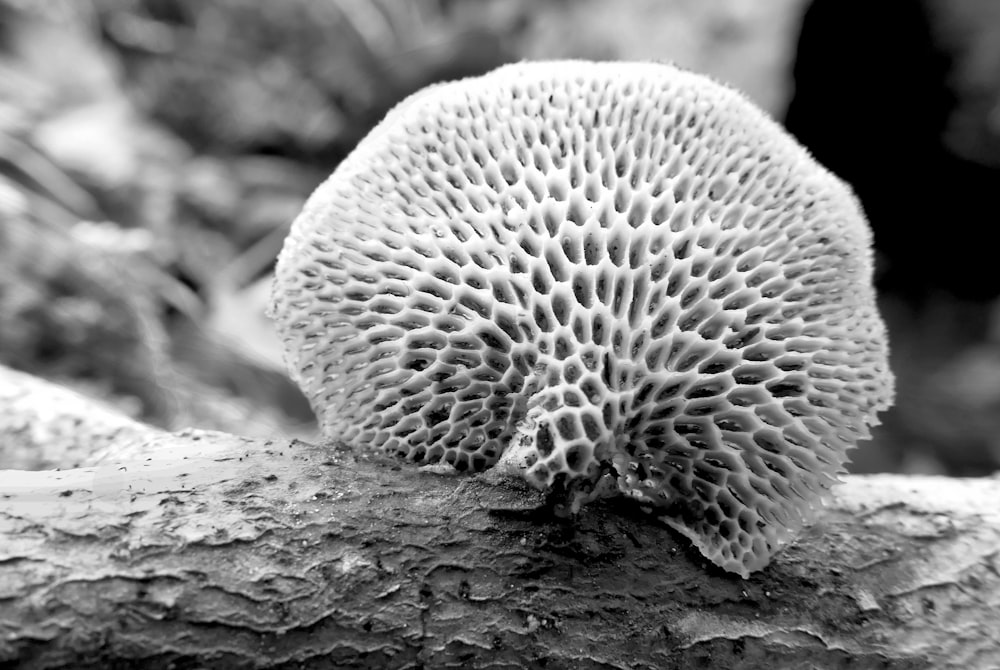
[43,425]
[205,549]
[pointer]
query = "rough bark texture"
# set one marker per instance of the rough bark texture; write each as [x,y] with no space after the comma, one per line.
[44,426]
[209,550]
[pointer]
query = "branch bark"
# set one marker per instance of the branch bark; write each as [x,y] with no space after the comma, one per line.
[205,549]
[45,426]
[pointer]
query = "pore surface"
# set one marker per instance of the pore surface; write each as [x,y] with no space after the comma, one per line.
[618,272]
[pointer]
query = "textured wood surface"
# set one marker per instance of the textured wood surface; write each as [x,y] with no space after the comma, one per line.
[209,550]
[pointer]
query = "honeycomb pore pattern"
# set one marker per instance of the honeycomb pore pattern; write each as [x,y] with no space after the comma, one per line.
[615,273]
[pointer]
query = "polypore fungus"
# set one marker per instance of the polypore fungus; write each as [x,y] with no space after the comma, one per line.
[625,276]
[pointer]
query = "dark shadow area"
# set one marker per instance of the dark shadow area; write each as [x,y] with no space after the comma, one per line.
[876,90]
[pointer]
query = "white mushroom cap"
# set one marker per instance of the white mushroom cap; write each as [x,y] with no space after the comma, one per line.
[616,272]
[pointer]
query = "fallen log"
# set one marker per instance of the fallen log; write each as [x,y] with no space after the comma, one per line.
[201,549]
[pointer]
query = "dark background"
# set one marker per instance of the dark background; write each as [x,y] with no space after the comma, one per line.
[154,152]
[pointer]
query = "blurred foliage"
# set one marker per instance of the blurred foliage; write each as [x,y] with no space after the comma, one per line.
[154,152]
[296,77]
[67,308]
[946,419]
[969,30]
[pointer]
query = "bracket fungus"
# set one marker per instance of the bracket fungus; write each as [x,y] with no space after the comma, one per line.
[610,278]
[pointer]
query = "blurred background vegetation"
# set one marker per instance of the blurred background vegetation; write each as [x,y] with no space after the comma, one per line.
[154,152]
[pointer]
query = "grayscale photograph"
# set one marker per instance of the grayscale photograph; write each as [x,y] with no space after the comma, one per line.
[499,334]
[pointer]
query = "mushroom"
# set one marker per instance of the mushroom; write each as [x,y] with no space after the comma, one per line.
[609,278]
